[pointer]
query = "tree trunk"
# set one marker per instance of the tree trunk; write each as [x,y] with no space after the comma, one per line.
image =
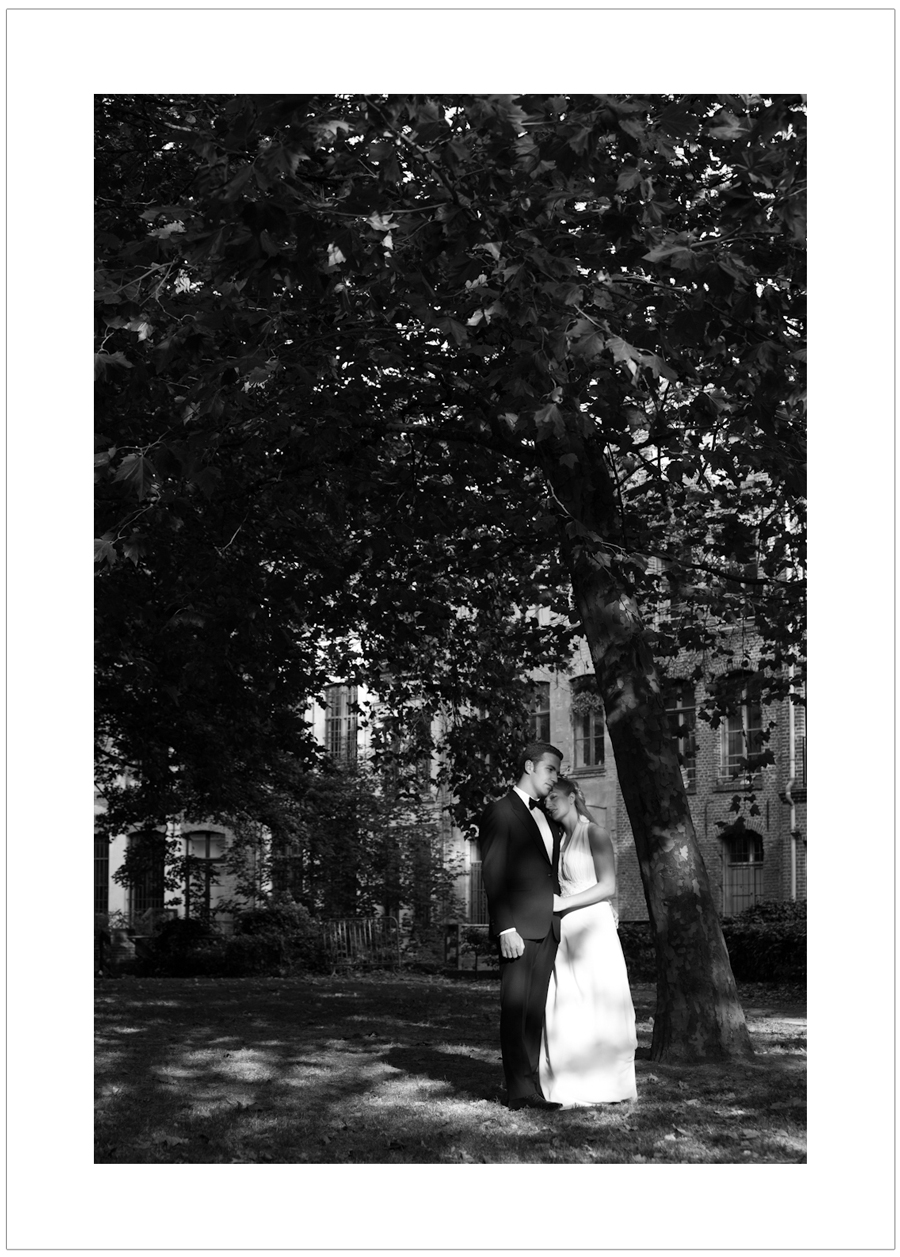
[698,1013]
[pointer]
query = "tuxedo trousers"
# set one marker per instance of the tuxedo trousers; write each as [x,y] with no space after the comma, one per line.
[523,996]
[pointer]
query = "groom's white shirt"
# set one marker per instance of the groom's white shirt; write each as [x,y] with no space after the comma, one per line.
[543,825]
[539,819]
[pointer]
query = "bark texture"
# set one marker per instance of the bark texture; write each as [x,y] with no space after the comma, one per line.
[698,1014]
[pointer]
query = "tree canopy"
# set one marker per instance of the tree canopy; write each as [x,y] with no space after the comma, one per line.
[356,358]
[378,375]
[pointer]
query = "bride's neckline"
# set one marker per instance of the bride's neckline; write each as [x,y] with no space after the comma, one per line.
[566,840]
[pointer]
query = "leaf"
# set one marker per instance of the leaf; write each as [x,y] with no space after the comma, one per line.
[236,185]
[142,327]
[170,229]
[570,294]
[622,351]
[729,127]
[457,332]
[104,550]
[569,460]
[629,178]
[104,360]
[135,547]
[659,367]
[663,251]
[381,223]
[579,141]
[549,417]
[137,471]
[588,347]
[635,129]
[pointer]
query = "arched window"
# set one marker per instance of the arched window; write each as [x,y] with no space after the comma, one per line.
[205,850]
[101,874]
[341,722]
[478,913]
[147,858]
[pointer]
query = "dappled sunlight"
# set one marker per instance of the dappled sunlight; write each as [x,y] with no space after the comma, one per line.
[389,1070]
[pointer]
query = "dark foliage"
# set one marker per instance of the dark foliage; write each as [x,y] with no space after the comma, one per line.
[767,943]
[267,942]
[636,938]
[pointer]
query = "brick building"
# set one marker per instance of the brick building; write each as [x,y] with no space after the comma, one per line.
[749,855]
[753,854]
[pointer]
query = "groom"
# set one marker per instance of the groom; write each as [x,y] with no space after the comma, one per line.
[519,858]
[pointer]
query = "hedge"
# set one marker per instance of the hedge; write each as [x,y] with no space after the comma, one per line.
[267,941]
[766,943]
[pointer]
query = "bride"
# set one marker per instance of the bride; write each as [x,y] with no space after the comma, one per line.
[587,1051]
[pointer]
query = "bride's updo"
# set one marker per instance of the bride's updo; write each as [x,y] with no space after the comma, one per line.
[568,786]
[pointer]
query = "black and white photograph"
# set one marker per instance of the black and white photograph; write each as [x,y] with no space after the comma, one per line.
[449,638]
[450,458]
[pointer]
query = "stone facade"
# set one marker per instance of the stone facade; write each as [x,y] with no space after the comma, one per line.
[750,855]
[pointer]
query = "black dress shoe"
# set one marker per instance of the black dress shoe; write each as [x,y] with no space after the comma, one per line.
[534,1102]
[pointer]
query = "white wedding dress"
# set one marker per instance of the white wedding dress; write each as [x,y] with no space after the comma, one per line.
[587,1050]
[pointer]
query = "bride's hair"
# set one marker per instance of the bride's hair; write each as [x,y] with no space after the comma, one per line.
[568,786]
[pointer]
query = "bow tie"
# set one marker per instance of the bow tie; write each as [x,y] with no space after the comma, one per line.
[533,803]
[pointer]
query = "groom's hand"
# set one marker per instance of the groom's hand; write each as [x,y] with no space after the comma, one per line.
[512,945]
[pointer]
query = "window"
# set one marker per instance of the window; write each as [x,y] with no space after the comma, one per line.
[204,850]
[101,875]
[478,905]
[541,711]
[410,758]
[743,882]
[587,717]
[800,744]
[682,714]
[148,852]
[340,722]
[741,734]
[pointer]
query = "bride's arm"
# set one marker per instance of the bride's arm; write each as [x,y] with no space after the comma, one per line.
[604,867]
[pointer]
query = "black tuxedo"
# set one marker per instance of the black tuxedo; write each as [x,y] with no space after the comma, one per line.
[520,880]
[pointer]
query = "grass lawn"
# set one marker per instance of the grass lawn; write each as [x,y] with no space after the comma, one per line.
[388,1068]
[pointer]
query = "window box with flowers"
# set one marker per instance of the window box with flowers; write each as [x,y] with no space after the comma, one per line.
[589,723]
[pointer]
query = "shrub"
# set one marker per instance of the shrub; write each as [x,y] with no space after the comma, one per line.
[636,938]
[247,954]
[422,949]
[279,938]
[181,948]
[276,918]
[483,945]
[767,943]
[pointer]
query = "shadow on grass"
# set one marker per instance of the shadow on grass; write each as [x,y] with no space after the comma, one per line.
[385,1069]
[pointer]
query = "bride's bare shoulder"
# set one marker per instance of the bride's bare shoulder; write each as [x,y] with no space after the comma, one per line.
[598,834]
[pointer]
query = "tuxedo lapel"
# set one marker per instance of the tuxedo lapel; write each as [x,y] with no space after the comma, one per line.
[527,820]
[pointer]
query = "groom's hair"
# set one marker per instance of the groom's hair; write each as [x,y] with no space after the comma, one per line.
[533,751]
